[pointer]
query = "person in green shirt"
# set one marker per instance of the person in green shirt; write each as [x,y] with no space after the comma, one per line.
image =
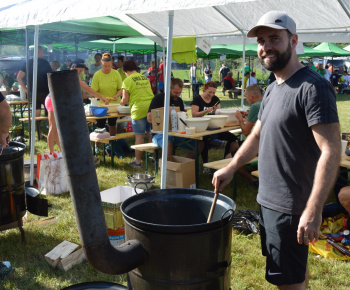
[108,83]
[247,120]
[137,92]
[120,61]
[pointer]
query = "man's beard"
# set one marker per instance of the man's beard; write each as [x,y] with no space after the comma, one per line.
[281,61]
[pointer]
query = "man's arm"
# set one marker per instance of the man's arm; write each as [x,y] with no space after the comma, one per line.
[20,77]
[5,123]
[245,153]
[327,137]
[245,125]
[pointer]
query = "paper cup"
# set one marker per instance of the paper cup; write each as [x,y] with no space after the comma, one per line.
[190,130]
[344,143]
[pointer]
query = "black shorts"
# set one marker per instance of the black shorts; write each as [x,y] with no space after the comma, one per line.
[286,260]
[102,122]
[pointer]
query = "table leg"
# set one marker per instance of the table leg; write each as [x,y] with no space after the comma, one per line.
[38,128]
[156,162]
[196,150]
[22,121]
[112,153]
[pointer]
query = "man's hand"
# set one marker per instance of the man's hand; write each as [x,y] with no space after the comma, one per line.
[309,226]
[221,178]
[4,139]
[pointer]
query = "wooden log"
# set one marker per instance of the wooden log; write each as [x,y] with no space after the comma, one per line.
[73,259]
[60,252]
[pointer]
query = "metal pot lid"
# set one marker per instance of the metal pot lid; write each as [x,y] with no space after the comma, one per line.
[14,150]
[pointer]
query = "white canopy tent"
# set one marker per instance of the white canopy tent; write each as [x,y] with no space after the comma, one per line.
[218,21]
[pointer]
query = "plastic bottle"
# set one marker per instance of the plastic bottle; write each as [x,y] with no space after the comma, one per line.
[173,120]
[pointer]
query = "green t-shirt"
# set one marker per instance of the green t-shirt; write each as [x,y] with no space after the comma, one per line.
[107,84]
[254,111]
[141,95]
[122,74]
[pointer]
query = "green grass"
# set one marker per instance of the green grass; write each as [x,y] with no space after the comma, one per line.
[248,266]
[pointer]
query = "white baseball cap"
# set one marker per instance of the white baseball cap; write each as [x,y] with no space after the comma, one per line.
[275,20]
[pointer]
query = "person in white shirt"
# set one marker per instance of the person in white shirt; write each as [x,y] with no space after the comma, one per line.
[193,72]
[327,74]
[252,80]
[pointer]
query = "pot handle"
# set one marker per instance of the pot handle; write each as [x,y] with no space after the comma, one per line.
[229,210]
[138,184]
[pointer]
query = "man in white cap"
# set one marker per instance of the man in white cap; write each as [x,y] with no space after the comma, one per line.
[297,136]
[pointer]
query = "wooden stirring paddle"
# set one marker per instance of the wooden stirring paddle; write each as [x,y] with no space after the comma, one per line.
[213,206]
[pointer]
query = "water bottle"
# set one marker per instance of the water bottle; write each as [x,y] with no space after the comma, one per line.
[173,120]
[345,242]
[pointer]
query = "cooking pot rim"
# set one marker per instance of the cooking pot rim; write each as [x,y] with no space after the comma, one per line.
[174,192]
[14,154]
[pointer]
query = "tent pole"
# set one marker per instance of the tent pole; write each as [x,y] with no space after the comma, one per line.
[27,70]
[243,72]
[155,64]
[167,98]
[35,72]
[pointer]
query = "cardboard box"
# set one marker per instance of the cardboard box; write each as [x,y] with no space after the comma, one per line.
[158,118]
[180,173]
[112,200]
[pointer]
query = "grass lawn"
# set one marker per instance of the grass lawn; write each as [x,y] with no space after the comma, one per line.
[248,266]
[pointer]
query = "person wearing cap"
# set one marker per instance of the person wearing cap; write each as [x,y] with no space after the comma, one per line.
[297,137]
[108,83]
[67,65]
[79,65]
[15,87]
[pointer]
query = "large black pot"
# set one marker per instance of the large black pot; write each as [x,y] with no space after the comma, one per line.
[184,251]
[12,190]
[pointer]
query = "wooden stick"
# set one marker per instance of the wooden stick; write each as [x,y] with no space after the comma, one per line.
[2,150]
[212,207]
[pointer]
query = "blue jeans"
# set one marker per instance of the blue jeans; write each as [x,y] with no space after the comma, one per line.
[141,126]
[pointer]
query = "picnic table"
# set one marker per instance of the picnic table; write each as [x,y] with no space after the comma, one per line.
[198,137]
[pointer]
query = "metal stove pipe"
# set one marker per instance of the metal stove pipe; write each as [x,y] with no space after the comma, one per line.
[77,154]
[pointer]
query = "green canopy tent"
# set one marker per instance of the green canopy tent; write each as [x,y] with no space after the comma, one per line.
[331,49]
[129,44]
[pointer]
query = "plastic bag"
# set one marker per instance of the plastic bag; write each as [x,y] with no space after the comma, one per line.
[247,221]
[53,176]
[330,225]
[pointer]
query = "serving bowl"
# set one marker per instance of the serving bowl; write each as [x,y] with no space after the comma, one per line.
[217,121]
[98,111]
[229,112]
[124,109]
[112,107]
[200,123]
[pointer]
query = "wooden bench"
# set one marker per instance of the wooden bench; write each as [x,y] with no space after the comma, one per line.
[236,93]
[37,119]
[149,148]
[222,163]
[108,141]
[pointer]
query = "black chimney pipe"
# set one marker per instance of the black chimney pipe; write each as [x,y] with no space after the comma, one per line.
[77,154]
